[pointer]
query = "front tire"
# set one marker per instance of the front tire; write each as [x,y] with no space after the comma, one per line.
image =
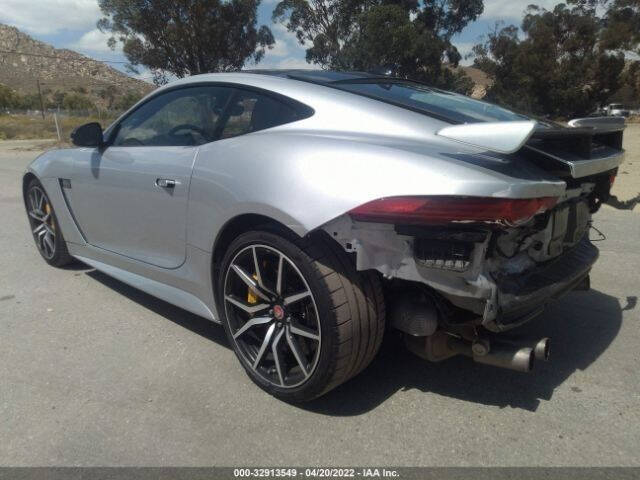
[44,226]
[299,316]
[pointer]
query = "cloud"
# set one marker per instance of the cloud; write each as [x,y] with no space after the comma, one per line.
[286,53]
[94,41]
[50,16]
[294,63]
[511,9]
[281,32]
[290,62]
[280,49]
[279,29]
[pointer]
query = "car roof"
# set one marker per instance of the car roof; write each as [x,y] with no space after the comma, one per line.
[316,76]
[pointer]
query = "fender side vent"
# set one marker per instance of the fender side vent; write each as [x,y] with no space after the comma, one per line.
[65,187]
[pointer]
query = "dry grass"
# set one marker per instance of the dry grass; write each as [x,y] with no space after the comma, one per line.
[28,127]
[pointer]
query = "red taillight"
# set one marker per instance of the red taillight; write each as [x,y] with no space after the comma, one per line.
[446,209]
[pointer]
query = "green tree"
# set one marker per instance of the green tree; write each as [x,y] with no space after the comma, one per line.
[8,98]
[186,37]
[621,22]
[629,93]
[77,101]
[57,99]
[30,101]
[408,38]
[559,68]
[109,95]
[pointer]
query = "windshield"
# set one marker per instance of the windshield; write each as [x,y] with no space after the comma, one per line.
[449,106]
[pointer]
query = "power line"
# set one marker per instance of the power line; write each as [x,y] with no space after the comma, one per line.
[71,60]
[43,55]
[80,82]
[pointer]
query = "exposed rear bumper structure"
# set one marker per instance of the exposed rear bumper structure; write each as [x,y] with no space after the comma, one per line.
[444,312]
[522,296]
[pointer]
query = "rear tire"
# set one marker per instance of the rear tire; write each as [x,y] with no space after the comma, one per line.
[345,310]
[44,226]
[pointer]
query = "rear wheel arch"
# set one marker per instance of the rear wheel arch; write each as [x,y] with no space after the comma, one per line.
[242,224]
[251,222]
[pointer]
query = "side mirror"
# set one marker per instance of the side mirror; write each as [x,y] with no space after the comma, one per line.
[88,135]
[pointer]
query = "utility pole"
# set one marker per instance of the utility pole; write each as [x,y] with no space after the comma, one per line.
[41,101]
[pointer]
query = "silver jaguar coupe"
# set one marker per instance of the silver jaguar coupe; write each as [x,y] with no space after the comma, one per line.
[309,212]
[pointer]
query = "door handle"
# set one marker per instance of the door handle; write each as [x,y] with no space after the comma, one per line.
[166,183]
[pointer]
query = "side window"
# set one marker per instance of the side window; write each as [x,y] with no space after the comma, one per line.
[185,117]
[252,111]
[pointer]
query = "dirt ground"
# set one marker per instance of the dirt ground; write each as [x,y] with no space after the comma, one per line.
[626,190]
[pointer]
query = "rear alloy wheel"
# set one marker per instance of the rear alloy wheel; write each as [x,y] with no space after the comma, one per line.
[289,317]
[44,226]
[275,328]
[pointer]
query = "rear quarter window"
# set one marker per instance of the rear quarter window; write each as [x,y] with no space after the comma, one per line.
[252,111]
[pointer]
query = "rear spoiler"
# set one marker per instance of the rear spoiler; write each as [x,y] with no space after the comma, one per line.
[502,137]
[589,146]
[600,124]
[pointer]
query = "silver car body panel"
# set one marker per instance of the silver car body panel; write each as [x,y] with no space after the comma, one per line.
[184,287]
[306,175]
[120,207]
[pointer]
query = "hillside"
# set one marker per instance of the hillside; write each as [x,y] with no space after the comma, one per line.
[480,79]
[59,70]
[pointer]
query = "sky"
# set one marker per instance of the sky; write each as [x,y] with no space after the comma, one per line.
[72,24]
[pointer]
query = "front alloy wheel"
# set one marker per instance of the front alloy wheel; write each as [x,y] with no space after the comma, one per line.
[298,315]
[44,226]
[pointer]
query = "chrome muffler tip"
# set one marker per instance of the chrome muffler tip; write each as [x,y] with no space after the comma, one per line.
[542,349]
[503,355]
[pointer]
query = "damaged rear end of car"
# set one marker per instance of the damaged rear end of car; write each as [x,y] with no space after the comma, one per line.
[460,270]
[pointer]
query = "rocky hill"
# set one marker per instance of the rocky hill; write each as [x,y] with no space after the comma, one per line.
[60,70]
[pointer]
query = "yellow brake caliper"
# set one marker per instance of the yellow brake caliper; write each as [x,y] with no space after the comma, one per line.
[47,210]
[252,298]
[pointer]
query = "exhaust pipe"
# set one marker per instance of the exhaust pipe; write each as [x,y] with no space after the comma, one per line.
[542,349]
[503,355]
[513,355]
